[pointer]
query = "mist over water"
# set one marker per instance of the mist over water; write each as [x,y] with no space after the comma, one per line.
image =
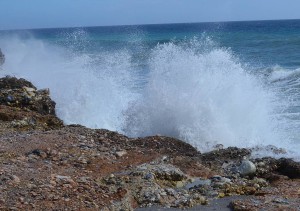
[192,89]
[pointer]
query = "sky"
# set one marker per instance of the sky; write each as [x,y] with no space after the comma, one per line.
[27,14]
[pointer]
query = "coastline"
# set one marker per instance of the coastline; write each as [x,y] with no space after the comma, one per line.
[45,164]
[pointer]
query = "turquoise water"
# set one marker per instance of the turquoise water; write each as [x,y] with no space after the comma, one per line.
[232,83]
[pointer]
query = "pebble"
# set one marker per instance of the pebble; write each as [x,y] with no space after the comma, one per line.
[149,176]
[15,179]
[121,153]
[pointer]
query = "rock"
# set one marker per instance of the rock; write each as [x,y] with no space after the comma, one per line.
[281,201]
[171,191]
[168,172]
[63,179]
[247,168]
[14,83]
[121,153]
[21,93]
[15,179]
[2,57]
[39,153]
[79,169]
[149,176]
[222,155]
[198,183]
[289,168]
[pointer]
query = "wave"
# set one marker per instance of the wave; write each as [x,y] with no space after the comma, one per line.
[192,90]
[89,89]
[205,98]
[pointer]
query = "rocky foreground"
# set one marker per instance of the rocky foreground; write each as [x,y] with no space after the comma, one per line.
[46,165]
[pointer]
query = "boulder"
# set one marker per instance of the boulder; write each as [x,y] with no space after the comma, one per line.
[247,168]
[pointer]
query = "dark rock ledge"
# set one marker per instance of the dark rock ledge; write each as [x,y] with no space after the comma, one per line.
[45,165]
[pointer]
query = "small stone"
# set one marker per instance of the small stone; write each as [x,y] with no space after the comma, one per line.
[64,179]
[213,193]
[257,186]
[121,153]
[82,160]
[281,201]
[10,98]
[21,199]
[164,158]
[170,191]
[179,184]
[28,89]
[15,179]
[149,176]
[221,195]
[247,168]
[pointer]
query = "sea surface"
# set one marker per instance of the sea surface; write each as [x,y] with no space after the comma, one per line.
[229,83]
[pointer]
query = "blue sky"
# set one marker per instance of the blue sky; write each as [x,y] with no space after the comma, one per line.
[23,14]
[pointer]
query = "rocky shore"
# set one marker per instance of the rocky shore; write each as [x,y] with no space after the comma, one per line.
[46,165]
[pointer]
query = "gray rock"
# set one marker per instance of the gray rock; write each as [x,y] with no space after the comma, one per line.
[168,172]
[2,58]
[198,183]
[247,168]
[120,153]
[149,176]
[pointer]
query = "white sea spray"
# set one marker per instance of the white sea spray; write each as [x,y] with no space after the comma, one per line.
[193,90]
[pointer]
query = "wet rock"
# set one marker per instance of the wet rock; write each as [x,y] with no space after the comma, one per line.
[289,168]
[247,168]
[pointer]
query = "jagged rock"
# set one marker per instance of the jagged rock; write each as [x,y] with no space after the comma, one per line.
[14,83]
[22,94]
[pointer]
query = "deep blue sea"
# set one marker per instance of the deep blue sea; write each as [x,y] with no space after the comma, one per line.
[230,83]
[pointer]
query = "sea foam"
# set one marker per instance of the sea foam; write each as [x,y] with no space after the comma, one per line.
[193,90]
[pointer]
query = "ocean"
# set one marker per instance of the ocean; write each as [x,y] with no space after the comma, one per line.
[229,83]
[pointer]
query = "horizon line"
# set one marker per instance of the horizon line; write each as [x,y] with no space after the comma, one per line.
[147,24]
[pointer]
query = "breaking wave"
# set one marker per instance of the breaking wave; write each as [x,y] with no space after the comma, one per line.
[192,90]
